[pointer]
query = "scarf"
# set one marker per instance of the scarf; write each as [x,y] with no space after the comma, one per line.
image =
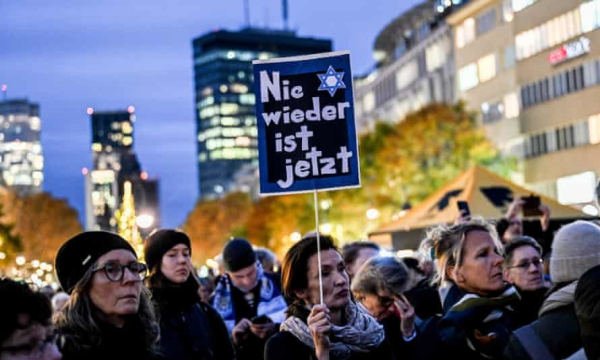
[471,312]
[361,333]
[562,297]
[270,303]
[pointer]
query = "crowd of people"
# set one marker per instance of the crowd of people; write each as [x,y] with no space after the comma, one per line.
[476,290]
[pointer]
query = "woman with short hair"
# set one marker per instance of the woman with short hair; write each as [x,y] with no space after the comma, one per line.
[108,315]
[190,328]
[379,285]
[336,329]
[477,304]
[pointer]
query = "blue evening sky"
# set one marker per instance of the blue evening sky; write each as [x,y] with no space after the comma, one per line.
[68,55]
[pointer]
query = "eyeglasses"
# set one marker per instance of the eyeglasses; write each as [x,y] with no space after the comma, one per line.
[34,349]
[525,264]
[115,271]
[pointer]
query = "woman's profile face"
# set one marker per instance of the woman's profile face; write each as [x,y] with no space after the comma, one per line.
[481,269]
[336,286]
[116,298]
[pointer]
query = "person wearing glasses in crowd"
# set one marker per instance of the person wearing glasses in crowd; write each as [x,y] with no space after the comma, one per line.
[523,269]
[576,249]
[26,331]
[190,328]
[379,285]
[109,314]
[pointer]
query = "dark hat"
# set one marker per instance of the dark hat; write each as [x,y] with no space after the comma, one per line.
[238,254]
[78,254]
[161,241]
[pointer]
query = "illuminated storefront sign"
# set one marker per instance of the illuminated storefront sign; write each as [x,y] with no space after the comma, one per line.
[570,51]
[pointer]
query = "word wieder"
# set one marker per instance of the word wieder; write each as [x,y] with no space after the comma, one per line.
[314,163]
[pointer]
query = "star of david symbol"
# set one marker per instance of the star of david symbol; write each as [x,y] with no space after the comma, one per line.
[331,81]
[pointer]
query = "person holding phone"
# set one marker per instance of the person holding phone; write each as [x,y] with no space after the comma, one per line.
[511,225]
[379,285]
[189,328]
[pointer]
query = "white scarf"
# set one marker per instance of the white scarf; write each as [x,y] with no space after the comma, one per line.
[361,333]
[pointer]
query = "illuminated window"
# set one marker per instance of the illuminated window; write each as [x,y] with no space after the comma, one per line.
[127,140]
[487,67]
[127,128]
[511,105]
[209,100]
[209,111]
[435,55]
[229,108]
[465,33]
[229,121]
[96,147]
[594,129]
[467,77]
[202,157]
[242,141]
[239,88]
[407,74]
[247,99]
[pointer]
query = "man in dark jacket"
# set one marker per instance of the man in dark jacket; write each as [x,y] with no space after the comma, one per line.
[248,299]
[556,333]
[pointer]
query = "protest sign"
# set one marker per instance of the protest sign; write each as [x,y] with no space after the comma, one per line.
[305,116]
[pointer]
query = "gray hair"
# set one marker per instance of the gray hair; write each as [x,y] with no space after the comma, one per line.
[446,244]
[382,274]
[516,243]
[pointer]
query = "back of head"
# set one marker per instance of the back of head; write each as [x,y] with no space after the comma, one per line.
[382,274]
[294,270]
[350,251]
[576,248]
[587,306]
[20,307]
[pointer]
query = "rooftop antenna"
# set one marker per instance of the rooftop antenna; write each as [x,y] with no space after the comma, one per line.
[284,10]
[247,12]
[4,91]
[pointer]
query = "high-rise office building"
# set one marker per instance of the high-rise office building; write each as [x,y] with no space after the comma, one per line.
[114,162]
[225,117]
[21,160]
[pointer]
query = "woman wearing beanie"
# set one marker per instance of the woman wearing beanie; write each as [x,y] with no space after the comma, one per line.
[576,249]
[108,315]
[338,329]
[477,304]
[190,329]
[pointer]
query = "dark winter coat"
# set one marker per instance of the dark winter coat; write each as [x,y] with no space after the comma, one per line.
[527,310]
[425,299]
[190,329]
[558,329]
[117,343]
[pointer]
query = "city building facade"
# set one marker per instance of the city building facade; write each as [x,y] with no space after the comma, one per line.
[21,159]
[114,163]
[224,98]
[415,67]
[531,70]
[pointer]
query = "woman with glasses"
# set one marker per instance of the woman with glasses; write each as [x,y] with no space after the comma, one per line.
[190,328]
[523,269]
[379,285]
[335,329]
[108,315]
[477,304]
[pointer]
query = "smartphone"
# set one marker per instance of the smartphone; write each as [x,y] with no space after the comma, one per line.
[463,207]
[259,320]
[531,207]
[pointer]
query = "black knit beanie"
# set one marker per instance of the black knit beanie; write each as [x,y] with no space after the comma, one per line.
[161,241]
[238,254]
[78,254]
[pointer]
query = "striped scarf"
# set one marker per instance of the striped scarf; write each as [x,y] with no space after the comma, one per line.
[361,333]
[486,314]
[270,303]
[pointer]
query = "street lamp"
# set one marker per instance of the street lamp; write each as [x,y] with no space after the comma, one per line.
[20,260]
[144,221]
[373,214]
[295,236]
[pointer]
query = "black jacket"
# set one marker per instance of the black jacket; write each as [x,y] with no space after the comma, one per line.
[116,343]
[425,299]
[527,310]
[190,329]
[558,330]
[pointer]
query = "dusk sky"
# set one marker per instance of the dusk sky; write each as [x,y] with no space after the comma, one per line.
[68,55]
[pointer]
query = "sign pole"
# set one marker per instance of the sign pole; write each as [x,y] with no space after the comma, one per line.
[318,245]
